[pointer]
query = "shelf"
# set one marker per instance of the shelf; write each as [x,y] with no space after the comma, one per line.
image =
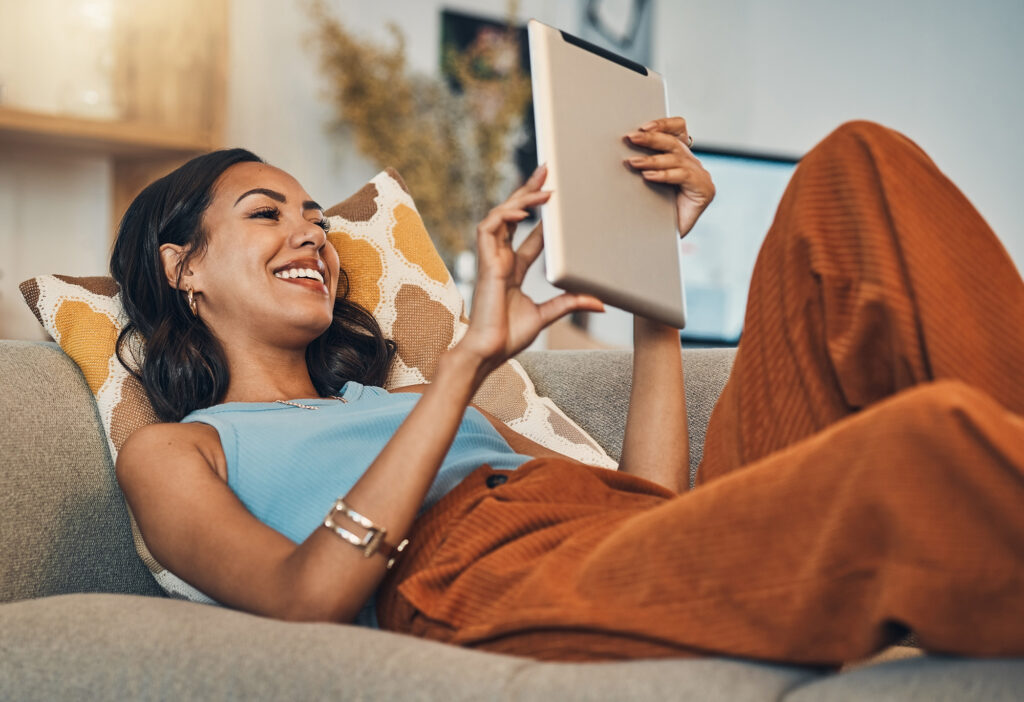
[117,138]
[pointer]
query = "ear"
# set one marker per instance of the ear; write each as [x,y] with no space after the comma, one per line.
[172,256]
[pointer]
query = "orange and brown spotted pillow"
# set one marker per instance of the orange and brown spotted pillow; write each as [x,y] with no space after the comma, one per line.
[394,271]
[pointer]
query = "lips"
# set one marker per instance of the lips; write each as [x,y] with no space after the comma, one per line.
[307,283]
[306,272]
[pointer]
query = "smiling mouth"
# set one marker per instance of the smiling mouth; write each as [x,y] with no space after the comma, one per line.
[306,277]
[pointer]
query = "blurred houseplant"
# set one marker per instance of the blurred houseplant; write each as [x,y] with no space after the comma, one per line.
[450,140]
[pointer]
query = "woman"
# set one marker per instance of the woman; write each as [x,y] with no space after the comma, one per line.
[862,474]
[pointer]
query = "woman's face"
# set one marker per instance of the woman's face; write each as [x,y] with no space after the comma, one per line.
[268,274]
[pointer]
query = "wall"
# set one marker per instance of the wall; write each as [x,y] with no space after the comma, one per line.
[779,75]
[54,218]
[276,103]
[769,75]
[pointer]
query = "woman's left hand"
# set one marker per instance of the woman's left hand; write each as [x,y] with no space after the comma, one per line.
[676,165]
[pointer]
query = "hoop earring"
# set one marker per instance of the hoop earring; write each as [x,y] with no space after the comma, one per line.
[192,305]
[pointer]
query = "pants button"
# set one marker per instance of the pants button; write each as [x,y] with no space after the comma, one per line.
[495,480]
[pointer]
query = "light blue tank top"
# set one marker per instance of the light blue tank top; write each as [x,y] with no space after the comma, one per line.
[288,464]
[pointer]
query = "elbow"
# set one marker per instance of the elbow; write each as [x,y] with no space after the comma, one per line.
[305,604]
[304,597]
[303,608]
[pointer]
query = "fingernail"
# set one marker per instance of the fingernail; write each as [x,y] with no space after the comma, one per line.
[649,174]
[649,125]
[635,160]
[634,135]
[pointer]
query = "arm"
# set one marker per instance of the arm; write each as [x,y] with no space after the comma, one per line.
[656,444]
[170,470]
[504,321]
[195,525]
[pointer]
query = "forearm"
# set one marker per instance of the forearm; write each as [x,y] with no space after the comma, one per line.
[332,573]
[656,445]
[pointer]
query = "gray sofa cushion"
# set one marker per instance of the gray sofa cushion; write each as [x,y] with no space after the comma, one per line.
[125,647]
[598,398]
[65,526]
[928,678]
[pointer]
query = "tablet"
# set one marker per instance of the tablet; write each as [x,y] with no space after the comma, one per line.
[607,231]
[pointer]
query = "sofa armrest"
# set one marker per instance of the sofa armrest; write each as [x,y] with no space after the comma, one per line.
[65,527]
[592,387]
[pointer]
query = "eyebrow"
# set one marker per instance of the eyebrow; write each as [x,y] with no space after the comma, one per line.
[274,195]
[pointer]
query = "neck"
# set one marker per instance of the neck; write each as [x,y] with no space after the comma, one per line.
[268,374]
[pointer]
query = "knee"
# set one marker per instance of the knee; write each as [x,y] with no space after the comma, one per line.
[860,129]
[862,136]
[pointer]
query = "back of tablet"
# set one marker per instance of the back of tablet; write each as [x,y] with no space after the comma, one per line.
[607,231]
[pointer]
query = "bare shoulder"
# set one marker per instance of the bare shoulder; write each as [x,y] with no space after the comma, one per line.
[192,522]
[171,442]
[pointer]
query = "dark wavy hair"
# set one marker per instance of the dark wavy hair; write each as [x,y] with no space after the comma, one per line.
[183,367]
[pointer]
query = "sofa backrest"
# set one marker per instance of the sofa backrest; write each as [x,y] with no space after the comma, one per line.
[64,526]
[592,387]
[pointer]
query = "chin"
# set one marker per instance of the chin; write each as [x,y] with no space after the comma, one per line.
[305,331]
[315,331]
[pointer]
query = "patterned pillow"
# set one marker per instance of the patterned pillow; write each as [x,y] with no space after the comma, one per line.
[394,271]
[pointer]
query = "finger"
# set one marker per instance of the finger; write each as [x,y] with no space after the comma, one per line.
[668,175]
[659,141]
[565,303]
[658,161]
[523,201]
[512,220]
[528,251]
[534,182]
[526,200]
[495,234]
[669,125]
[495,220]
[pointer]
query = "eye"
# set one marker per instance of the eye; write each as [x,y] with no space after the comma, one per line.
[266,213]
[324,224]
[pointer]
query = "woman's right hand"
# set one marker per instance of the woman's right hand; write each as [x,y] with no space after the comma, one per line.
[504,320]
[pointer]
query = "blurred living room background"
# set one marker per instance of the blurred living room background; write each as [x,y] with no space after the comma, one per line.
[98,97]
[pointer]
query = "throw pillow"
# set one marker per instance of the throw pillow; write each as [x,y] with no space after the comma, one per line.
[394,271]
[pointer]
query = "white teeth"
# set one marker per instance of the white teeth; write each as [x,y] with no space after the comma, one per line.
[300,273]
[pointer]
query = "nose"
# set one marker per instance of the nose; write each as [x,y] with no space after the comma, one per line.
[309,234]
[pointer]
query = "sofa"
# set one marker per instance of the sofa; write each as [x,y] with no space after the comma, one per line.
[83,619]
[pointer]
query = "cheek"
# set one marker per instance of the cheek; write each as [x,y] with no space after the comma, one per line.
[333,267]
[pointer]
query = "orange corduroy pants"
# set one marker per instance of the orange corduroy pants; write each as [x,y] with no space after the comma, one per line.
[863,473]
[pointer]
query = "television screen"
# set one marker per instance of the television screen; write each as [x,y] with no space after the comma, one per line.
[719,252]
